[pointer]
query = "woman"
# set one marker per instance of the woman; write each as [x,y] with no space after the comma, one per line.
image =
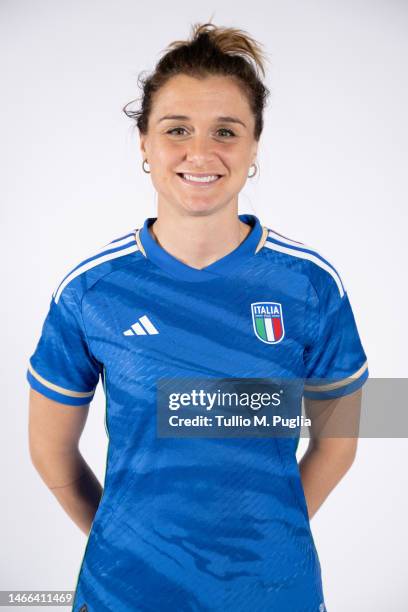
[187,521]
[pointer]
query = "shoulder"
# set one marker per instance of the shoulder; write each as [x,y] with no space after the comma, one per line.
[101,261]
[303,258]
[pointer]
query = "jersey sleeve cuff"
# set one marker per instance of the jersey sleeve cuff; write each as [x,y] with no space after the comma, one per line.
[338,388]
[55,392]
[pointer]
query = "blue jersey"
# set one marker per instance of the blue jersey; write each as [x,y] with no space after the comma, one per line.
[197,523]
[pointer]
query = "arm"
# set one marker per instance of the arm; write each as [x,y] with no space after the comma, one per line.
[328,456]
[54,433]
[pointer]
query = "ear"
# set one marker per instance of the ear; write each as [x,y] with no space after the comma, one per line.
[254,153]
[142,139]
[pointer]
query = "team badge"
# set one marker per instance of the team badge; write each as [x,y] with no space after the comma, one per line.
[267,320]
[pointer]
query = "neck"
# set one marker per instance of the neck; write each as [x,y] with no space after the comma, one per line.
[199,241]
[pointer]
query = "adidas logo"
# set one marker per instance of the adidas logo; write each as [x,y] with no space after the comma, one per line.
[143,327]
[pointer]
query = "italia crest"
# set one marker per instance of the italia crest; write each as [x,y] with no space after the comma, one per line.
[267,320]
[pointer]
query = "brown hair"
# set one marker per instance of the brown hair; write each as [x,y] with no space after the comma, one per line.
[211,50]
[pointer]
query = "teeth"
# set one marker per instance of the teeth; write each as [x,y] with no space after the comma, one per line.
[200,179]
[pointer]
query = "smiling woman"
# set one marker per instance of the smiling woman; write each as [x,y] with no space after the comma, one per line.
[199,124]
[198,164]
[195,522]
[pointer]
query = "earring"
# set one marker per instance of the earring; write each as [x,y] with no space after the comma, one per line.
[143,166]
[256,170]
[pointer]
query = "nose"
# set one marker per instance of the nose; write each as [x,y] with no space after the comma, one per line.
[199,150]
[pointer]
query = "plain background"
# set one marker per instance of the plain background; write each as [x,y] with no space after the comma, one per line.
[333,174]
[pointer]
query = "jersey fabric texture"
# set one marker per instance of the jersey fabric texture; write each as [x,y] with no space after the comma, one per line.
[197,524]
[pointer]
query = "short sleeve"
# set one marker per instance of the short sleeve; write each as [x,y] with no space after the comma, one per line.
[62,366]
[335,361]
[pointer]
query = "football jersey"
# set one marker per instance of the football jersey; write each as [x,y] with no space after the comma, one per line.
[197,523]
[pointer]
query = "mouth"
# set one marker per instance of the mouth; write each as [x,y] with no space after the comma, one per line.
[203,179]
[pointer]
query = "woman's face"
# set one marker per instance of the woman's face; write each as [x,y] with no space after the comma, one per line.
[200,141]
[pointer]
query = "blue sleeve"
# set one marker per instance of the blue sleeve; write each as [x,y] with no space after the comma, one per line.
[62,366]
[335,361]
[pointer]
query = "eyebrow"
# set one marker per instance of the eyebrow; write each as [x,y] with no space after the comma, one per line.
[224,119]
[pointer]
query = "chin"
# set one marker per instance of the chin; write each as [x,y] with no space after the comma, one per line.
[199,206]
[202,209]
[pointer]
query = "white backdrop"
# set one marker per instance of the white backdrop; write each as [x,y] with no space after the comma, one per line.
[333,174]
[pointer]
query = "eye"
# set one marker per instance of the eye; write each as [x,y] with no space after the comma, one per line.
[227,130]
[177,129]
[174,129]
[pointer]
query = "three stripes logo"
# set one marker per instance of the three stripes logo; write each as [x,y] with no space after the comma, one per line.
[143,327]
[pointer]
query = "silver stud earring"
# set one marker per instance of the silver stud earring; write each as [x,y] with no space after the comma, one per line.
[256,170]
